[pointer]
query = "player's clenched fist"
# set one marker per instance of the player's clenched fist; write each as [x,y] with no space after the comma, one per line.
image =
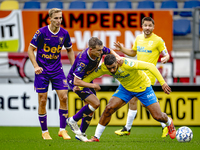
[96,87]
[38,70]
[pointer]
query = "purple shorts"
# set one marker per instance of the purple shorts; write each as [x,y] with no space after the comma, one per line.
[58,80]
[84,93]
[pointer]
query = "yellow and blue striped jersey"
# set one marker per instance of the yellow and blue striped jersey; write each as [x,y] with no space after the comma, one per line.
[129,74]
[148,50]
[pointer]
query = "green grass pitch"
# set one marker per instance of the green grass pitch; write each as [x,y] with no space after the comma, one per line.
[141,138]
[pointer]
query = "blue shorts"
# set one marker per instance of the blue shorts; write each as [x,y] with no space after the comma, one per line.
[83,94]
[146,97]
[58,80]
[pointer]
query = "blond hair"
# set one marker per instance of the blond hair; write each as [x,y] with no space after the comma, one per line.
[54,10]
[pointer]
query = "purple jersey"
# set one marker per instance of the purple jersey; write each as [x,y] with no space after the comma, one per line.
[84,65]
[49,46]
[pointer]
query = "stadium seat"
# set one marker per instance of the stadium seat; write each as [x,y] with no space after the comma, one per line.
[9,5]
[146,4]
[181,27]
[54,4]
[31,5]
[189,4]
[199,28]
[77,5]
[123,4]
[100,5]
[170,4]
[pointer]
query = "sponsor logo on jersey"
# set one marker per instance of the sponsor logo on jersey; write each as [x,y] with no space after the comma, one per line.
[47,48]
[142,49]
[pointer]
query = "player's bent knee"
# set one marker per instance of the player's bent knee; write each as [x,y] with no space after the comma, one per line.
[63,99]
[96,106]
[42,102]
[109,110]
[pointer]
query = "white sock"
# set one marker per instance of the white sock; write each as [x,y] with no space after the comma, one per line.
[91,108]
[99,130]
[130,118]
[61,129]
[44,131]
[163,124]
[168,122]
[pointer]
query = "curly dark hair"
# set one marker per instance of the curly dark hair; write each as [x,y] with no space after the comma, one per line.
[110,59]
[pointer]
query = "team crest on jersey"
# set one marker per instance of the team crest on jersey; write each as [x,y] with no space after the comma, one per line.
[150,43]
[61,40]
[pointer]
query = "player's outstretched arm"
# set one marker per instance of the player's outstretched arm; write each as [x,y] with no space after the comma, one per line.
[157,74]
[152,68]
[81,83]
[101,70]
[126,51]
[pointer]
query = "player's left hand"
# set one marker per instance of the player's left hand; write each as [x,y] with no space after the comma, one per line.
[166,88]
[164,60]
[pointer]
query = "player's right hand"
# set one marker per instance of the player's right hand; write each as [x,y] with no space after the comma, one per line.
[76,88]
[118,45]
[96,87]
[38,70]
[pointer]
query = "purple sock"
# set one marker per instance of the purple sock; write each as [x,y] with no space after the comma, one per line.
[85,123]
[82,113]
[43,122]
[63,116]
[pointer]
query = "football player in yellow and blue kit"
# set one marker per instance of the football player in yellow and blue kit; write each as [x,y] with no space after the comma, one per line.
[148,47]
[133,83]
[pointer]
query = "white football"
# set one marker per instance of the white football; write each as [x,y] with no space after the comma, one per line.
[184,134]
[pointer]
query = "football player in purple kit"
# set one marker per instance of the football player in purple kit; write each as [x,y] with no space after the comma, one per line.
[85,63]
[49,41]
